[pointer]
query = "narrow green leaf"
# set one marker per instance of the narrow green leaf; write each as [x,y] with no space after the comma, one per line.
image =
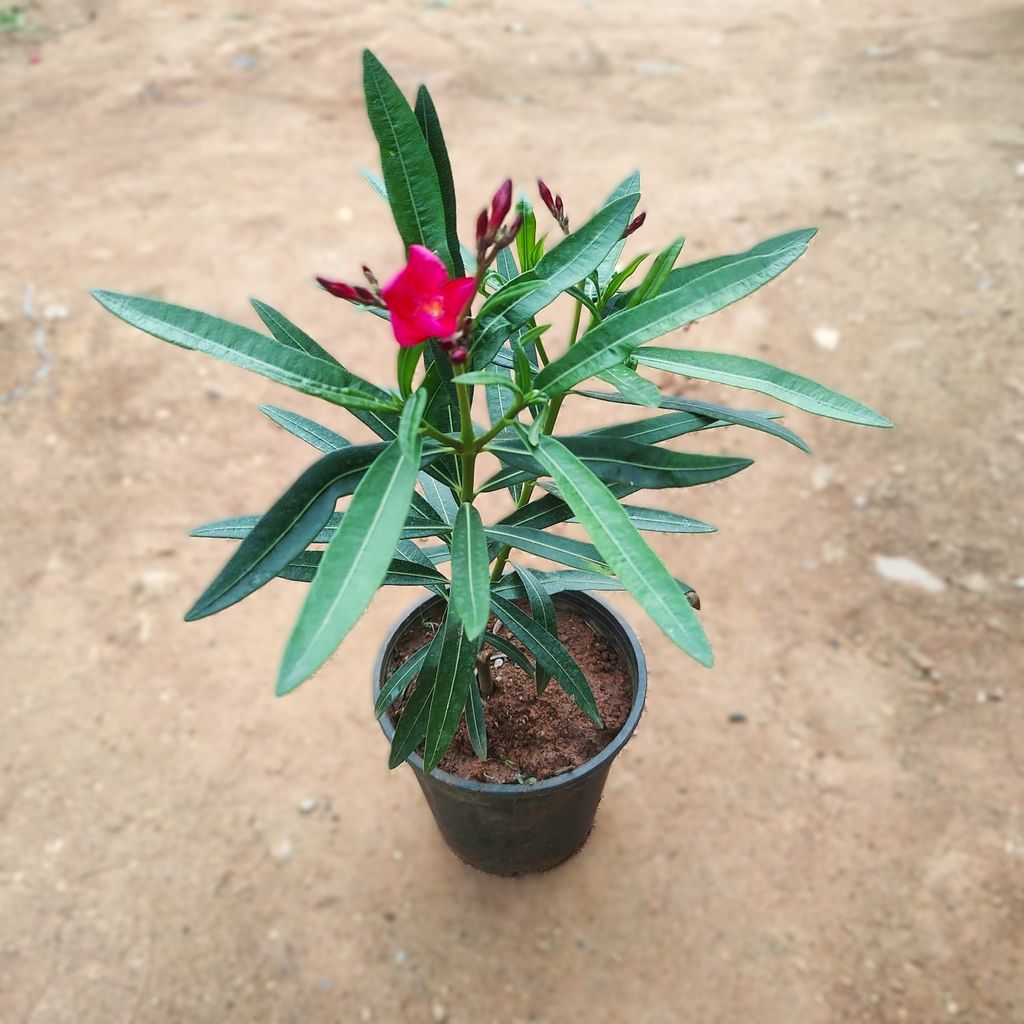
[287,333]
[626,462]
[306,429]
[527,234]
[653,430]
[401,572]
[412,725]
[551,656]
[471,593]
[754,375]
[703,291]
[409,423]
[375,183]
[410,176]
[658,520]
[636,565]
[454,678]
[565,550]
[406,361]
[656,277]
[621,278]
[606,268]
[354,564]
[487,379]
[430,124]
[542,609]
[506,647]
[244,347]
[570,261]
[399,680]
[561,580]
[440,499]
[291,524]
[628,383]
[476,726]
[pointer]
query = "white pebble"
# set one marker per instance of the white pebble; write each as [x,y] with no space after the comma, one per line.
[439,1013]
[154,583]
[55,311]
[826,338]
[307,805]
[821,476]
[401,957]
[976,583]
[1019,170]
[903,570]
[282,849]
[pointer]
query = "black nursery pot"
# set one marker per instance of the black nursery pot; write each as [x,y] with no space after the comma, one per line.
[514,829]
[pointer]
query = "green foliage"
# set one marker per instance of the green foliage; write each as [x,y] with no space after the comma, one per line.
[423,478]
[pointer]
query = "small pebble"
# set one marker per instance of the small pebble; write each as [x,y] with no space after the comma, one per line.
[282,849]
[401,957]
[55,311]
[737,718]
[826,338]
[439,1012]
[307,805]
[903,570]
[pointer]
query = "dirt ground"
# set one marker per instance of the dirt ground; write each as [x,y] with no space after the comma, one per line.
[178,845]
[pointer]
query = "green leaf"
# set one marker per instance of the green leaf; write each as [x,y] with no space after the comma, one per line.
[440,498]
[656,277]
[412,725]
[406,362]
[287,333]
[636,565]
[566,550]
[500,401]
[430,124]
[713,415]
[635,389]
[542,609]
[703,291]
[399,680]
[640,465]
[410,177]
[471,587]
[401,572]
[527,234]
[754,375]
[375,183]
[354,564]
[506,647]
[306,429]
[606,269]
[550,509]
[621,278]
[291,524]
[239,527]
[487,379]
[510,587]
[551,656]
[658,520]
[476,726]
[455,670]
[649,431]
[570,261]
[246,348]
[409,425]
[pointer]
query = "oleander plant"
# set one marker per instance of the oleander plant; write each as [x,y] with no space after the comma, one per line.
[471,334]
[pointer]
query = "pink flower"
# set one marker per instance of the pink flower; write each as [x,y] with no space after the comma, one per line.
[423,302]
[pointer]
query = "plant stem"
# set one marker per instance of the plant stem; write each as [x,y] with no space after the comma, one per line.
[469,449]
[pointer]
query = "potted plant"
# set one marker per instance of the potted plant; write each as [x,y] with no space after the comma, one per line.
[470,333]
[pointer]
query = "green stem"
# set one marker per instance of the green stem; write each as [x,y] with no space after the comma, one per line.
[445,439]
[469,449]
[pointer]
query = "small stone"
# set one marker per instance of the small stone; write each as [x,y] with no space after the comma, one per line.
[324,984]
[975,582]
[903,570]
[243,62]
[1019,169]
[366,1014]
[821,476]
[154,583]
[401,957]
[737,718]
[439,1012]
[55,311]
[1019,582]
[307,805]
[826,338]
[282,849]
[860,501]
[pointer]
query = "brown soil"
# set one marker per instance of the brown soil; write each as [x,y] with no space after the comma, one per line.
[531,736]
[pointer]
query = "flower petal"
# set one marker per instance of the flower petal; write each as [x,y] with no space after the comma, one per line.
[456,295]
[427,273]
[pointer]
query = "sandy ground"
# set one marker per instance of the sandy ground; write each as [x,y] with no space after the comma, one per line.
[853,852]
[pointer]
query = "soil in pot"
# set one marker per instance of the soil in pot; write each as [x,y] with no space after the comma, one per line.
[531,736]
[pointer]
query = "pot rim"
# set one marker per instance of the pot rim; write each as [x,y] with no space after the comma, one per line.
[510,789]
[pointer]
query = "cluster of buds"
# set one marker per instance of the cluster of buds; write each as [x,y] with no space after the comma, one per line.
[355,293]
[555,206]
[635,223]
[491,234]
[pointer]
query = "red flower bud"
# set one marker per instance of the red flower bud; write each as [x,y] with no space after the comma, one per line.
[500,205]
[559,209]
[481,226]
[446,344]
[340,289]
[634,224]
[458,354]
[546,196]
[371,279]
[513,229]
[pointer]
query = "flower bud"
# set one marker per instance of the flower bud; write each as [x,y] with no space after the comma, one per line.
[371,279]
[500,205]
[446,344]
[547,198]
[458,354]
[481,226]
[634,224]
[340,289]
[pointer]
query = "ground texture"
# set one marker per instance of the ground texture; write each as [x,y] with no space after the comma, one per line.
[177,845]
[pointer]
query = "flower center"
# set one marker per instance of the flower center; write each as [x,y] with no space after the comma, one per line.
[433,307]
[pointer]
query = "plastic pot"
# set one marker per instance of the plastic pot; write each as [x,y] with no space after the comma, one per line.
[514,829]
